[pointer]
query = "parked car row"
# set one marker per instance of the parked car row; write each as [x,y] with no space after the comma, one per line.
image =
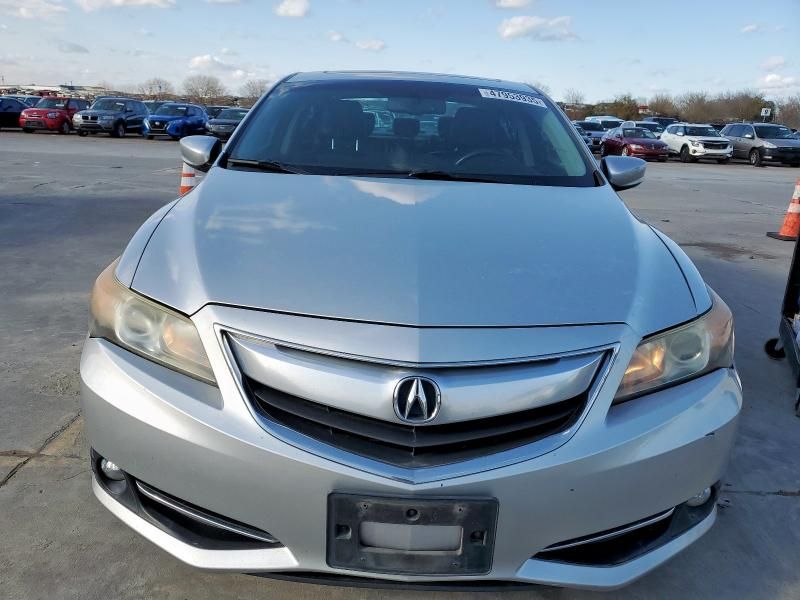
[118,117]
[661,137]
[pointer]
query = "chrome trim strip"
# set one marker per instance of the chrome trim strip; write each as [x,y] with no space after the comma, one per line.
[201,516]
[427,474]
[611,535]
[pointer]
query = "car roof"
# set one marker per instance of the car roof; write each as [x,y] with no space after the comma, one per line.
[410,76]
[692,124]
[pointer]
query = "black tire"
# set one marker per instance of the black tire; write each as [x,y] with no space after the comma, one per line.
[795,164]
[662,160]
[27,130]
[755,158]
[685,156]
[64,128]
[119,130]
[150,137]
[603,150]
[625,151]
[83,133]
[723,161]
[773,351]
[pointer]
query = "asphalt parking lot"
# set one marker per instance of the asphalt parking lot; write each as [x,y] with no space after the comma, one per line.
[68,205]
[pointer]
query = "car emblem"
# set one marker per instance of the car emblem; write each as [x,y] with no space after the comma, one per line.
[417,400]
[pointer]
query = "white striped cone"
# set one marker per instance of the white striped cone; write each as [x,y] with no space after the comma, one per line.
[187,180]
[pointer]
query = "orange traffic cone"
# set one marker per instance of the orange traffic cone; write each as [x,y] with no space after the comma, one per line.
[791,222]
[187,180]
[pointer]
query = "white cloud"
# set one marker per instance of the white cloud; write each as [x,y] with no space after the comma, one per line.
[538,28]
[773,63]
[32,9]
[224,1]
[751,28]
[292,8]
[511,3]
[228,52]
[336,36]
[144,32]
[91,5]
[373,45]
[773,81]
[209,62]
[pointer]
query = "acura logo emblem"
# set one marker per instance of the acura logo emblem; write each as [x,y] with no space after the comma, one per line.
[417,400]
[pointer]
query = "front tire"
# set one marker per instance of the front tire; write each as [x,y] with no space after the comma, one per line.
[83,133]
[64,128]
[626,151]
[755,158]
[119,130]
[685,155]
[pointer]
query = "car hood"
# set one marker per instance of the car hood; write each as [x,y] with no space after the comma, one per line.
[32,111]
[99,113]
[224,121]
[784,142]
[422,253]
[645,141]
[704,139]
[165,118]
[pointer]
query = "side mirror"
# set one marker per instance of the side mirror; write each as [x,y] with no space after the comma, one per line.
[200,151]
[680,133]
[623,172]
[749,136]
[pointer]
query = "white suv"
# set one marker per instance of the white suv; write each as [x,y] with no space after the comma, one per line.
[692,141]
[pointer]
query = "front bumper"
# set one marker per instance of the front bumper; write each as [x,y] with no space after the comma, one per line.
[652,154]
[102,127]
[202,445]
[710,152]
[781,155]
[41,123]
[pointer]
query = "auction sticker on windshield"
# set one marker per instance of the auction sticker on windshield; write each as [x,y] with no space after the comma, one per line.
[512,96]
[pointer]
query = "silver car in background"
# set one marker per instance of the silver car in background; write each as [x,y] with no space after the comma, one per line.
[362,349]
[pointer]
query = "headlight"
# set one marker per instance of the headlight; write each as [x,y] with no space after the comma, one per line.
[52,115]
[636,147]
[688,351]
[77,118]
[146,122]
[769,145]
[155,332]
[696,144]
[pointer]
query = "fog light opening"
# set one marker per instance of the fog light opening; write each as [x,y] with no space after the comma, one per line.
[111,471]
[699,499]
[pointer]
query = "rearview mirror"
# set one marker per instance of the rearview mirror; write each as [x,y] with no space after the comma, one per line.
[623,172]
[200,151]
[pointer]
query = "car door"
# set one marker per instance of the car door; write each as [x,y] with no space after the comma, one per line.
[734,134]
[748,140]
[200,121]
[612,141]
[669,138]
[9,113]
[133,116]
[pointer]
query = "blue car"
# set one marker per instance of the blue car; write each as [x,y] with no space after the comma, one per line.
[175,120]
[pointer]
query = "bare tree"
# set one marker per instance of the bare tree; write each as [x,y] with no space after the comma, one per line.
[157,88]
[204,88]
[542,87]
[253,89]
[573,96]
[696,107]
[789,111]
[663,104]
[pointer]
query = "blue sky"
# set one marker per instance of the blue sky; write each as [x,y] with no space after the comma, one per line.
[601,47]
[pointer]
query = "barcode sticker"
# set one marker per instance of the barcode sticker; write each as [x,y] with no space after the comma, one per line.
[512,96]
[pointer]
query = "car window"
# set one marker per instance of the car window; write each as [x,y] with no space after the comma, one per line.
[172,110]
[701,131]
[232,113]
[637,132]
[107,104]
[330,128]
[773,132]
[610,124]
[591,126]
[747,129]
[735,131]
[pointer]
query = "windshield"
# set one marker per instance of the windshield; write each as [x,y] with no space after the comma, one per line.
[51,103]
[655,127]
[773,132]
[234,114]
[171,110]
[458,131]
[591,126]
[610,124]
[702,131]
[115,105]
[637,132]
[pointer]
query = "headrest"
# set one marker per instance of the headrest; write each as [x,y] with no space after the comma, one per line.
[406,128]
[475,127]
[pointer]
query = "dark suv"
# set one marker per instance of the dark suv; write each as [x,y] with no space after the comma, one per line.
[762,142]
[115,116]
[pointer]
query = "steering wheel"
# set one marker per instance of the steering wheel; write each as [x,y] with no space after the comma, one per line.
[482,152]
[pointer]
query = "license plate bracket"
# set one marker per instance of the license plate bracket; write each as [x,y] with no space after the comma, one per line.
[477,518]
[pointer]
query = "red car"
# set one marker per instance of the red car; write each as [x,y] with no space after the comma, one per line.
[52,114]
[633,141]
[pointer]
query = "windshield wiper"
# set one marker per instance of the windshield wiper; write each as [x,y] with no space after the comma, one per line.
[265,165]
[446,176]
